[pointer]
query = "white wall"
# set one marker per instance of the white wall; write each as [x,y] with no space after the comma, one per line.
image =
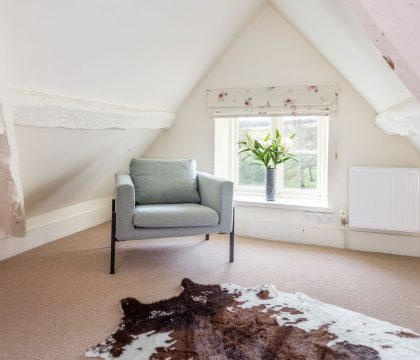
[68,179]
[141,54]
[271,52]
[62,167]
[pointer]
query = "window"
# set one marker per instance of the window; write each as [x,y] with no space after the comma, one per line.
[304,177]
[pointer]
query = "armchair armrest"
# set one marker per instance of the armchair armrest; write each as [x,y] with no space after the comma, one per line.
[124,205]
[217,193]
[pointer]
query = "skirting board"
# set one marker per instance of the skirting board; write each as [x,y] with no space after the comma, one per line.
[329,236]
[66,221]
[291,233]
[384,243]
[57,224]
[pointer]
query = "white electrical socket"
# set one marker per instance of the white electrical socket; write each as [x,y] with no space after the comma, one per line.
[328,218]
[318,217]
[308,216]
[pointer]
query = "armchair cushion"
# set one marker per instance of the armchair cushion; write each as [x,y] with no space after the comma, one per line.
[174,215]
[164,181]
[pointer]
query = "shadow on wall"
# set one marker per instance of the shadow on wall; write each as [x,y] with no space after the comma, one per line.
[66,185]
[73,166]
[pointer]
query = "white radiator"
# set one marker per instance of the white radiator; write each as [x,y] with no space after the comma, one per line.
[384,199]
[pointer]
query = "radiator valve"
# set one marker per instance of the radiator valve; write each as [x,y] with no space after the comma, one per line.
[343,217]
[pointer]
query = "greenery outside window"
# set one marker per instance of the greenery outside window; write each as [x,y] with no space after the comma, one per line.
[305,177]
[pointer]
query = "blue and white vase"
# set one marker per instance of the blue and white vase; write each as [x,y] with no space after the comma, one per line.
[270,185]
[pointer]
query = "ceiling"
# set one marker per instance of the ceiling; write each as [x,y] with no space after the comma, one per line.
[151,54]
[394,27]
[330,27]
[140,53]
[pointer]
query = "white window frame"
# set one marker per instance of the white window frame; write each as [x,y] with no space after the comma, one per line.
[320,193]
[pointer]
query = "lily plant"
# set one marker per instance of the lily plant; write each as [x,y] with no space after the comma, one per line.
[269,151]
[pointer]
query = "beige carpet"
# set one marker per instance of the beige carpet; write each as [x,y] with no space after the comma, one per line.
[57,300]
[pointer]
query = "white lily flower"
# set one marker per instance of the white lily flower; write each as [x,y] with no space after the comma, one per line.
[286,143]
[249,141]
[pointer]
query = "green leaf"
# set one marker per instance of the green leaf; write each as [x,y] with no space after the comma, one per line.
[243,150]
[270,152]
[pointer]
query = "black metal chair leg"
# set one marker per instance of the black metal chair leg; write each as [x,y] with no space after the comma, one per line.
[232,239]
[207,236]
[112,265]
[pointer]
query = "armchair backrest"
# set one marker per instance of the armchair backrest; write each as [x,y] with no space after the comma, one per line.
[164,181]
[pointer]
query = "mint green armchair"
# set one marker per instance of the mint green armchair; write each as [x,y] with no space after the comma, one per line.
[211,212]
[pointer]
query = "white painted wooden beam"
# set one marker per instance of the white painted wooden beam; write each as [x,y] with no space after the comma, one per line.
[12,219]
[393,27]
[330,27]
[403,119]
[33,108]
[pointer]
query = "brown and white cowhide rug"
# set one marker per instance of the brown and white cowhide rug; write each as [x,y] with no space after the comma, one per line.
[231,322]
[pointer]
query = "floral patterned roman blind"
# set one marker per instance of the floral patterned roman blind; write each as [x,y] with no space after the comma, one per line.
[274,100]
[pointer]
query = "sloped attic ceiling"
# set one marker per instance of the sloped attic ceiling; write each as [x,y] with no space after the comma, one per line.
[140,53]
[335,29]
[329,27]
[394,28]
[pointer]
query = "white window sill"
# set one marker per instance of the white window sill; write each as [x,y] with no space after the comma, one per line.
[280,203]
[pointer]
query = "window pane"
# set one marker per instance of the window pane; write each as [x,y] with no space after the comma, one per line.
[302,173]
[306,130]
[251,172]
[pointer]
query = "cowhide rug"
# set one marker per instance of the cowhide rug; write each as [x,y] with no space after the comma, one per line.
[230,322]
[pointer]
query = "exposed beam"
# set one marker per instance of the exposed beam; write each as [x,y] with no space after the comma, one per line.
[12,219]
[393,28]
[330,27]
[33,108]
[403,119]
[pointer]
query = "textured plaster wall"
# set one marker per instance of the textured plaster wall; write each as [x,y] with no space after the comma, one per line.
[12,219]
[34,108]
